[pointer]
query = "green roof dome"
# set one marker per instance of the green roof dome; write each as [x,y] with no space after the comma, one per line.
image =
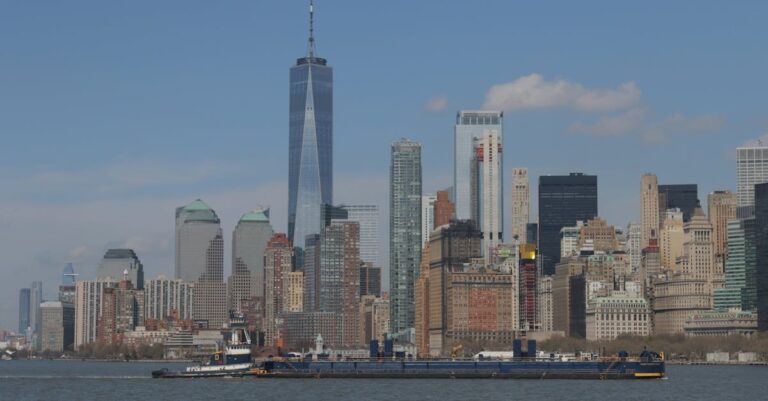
[197,211]
[258,215]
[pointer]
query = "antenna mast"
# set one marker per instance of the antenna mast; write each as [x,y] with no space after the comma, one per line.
[311,29]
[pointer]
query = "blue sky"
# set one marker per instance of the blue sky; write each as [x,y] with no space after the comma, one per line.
[114,113]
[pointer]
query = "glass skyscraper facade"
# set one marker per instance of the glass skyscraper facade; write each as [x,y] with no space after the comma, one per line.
[367,216]
[740,267]
[761,236]
[751,169]
[404,232]
[310,154]
[563,200]
[470,124]
[682,196]
[24,310]
[117,263]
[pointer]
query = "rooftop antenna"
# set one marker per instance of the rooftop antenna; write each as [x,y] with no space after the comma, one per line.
[311,29]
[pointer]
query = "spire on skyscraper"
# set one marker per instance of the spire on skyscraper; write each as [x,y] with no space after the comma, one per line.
[311,28]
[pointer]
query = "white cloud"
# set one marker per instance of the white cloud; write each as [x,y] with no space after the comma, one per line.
[680,124]
[638,121]
[437,104]
[617,125]
[534,92]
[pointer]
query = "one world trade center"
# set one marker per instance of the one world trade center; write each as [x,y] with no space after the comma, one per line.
[310,158]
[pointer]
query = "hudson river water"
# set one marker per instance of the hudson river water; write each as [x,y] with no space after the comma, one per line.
[75,380]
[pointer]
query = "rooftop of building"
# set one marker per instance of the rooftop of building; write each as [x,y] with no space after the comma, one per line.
[256,215]
[120,253]
[197,211]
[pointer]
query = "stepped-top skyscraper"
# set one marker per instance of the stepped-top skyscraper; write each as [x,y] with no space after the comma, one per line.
[200,259]
[310,153]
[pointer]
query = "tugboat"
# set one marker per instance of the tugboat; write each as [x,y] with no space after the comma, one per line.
[233,360]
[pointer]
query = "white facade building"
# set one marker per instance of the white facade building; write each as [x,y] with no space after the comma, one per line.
[165,297]
[488,198]
[88,295]
[751,169]
[427,217]
[470,124]
[521,204]
[609,317]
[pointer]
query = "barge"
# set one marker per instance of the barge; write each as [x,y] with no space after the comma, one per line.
[649,365]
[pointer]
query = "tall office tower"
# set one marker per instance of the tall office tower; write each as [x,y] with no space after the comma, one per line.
[166,298]
[751,169]
[740,268]
[526,288]
[698,259]
[563,200]
[249,239]
[721,206]
[370,280]
[544,304]
[445,211]
[470,124]
[521,204]
[339,276]
[277,264]
[67,287]
[312,273]
[634,245]
[35,314]
[24,310]
[310,255]
[200,260]
[404,231]
[116,262]
[488,198]
[58,326]
[293,291]
[682,196]
[88,309]
[367,216]
[427,217]
[310,153]
[421,304]
[671,238]
[761,236]
[649,208]
[451,249]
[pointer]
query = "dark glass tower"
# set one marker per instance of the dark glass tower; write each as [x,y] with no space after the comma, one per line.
[682,196]
[310,152]
[24,310]
[761,236]
[563,200]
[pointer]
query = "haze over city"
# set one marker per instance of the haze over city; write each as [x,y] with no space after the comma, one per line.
[113,115]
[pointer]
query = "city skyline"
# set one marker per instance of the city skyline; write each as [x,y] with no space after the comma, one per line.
[84,193]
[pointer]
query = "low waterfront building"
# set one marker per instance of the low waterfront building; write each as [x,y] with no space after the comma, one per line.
[721,323]
[609,317]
